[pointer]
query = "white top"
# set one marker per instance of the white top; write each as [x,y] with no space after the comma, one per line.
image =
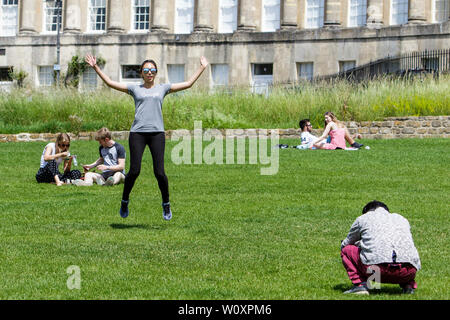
[53,146]
[308,139]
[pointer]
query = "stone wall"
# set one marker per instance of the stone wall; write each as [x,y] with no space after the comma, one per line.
[389,128]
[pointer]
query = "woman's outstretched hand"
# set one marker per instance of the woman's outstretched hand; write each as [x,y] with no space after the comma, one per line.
[90,60]
[203,62]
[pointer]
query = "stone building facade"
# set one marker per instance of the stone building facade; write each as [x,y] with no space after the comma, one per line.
[248,42]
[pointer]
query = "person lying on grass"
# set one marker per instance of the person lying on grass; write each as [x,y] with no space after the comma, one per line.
[111,162]
[52,156]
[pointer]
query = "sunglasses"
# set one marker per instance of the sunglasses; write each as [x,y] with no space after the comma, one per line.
[152,70]
[63,145]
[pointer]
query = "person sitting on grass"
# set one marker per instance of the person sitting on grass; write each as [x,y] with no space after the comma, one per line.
[338,133]
[52,156]
[380,247]
[308,139]
[111,162]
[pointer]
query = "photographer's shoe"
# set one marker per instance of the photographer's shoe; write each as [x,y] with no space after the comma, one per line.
[358,289]
[408,290]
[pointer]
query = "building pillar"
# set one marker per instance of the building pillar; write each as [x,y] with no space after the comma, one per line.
[159,16]
[72,21]
[289,14]
[416,13]
[115,16]
[375,9]
[28,12]
[332,13]
[202,16]
[246,15]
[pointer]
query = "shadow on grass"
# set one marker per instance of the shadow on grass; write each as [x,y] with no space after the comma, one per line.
[121,226]
[385,289]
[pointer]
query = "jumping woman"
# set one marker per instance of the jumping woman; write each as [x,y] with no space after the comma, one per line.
[148,125]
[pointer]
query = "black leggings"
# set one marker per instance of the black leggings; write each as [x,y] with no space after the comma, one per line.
[156,142]
[48,173]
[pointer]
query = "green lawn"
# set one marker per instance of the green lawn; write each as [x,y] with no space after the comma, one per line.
[235,233]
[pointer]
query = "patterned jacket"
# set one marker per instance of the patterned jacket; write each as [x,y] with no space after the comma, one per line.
[383,237]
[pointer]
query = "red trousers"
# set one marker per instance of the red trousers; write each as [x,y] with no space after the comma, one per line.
[402,274]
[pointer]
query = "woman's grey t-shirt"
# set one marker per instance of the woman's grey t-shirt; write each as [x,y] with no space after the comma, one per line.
[148,102]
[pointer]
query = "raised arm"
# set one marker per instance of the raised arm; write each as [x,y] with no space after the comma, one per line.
[187,84]
[92,61]
[325,133]
[49,157]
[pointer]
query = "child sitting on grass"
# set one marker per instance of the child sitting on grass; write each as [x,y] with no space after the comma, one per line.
[111,162]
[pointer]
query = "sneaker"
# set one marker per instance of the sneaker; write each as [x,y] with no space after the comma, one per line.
[167,213]
[100,181]
[359,289]
[408,290]
[124,212]
[109,181]
[357,145]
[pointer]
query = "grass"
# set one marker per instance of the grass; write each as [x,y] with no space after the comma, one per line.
[235,233]
[73,111]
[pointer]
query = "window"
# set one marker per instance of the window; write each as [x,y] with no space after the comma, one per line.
[346,65]
[175,73]
[184,16]
[314,14]
[141,15]
[2,52]
[228,16]
[270,21]
[357,13]
[399,12]
[5,74]
[440,11]
[46,76]
[51,16]
[131,72]
[97,15]
[262,75]
[8,17]
[305,71]
[219,73]
[89,79]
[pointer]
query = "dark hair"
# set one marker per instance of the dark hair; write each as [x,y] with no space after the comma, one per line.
[303,123]
[372,205]
[148,61]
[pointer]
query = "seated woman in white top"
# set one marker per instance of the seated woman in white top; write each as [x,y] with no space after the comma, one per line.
[52,156]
